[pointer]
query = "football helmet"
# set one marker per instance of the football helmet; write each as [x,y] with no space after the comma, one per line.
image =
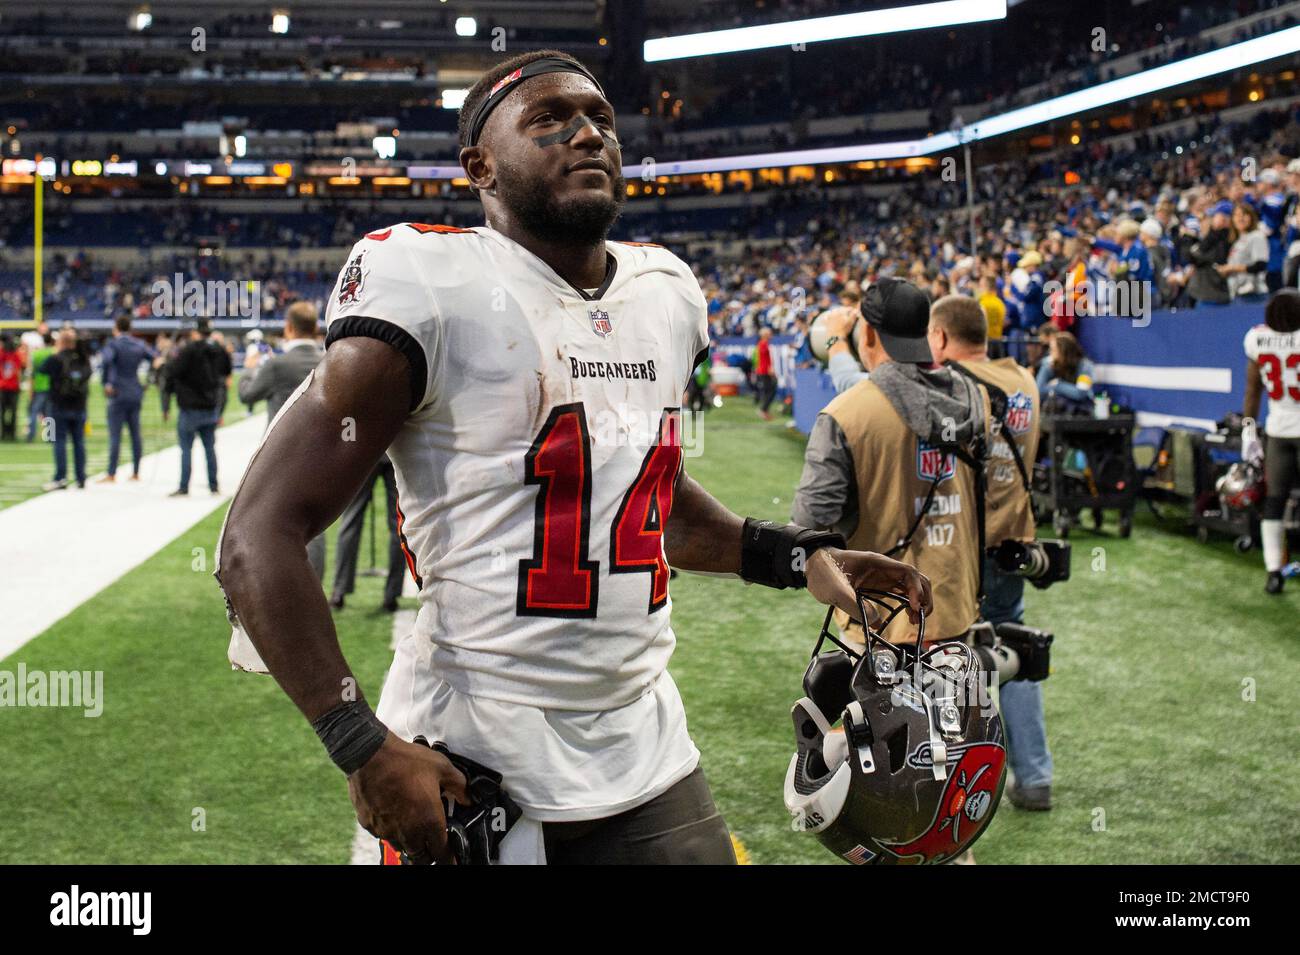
[819,338]
[914,771]
[1241,487]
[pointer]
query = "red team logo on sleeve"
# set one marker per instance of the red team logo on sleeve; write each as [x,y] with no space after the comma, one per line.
[354,277]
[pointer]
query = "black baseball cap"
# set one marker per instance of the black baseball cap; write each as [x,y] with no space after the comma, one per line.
[900,314]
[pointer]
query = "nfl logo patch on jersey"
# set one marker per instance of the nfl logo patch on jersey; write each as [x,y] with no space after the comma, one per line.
[600,323]
[350,285]
[933,464]
[1020,412]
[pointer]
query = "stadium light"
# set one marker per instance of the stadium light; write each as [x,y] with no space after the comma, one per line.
[1197,67]
[385,146]
[280,21]
[1267,47]
[454,99]
[140,20]
[466,26]
[922,16]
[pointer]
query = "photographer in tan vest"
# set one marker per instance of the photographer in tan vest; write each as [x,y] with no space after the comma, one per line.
[883,464]
[959,333]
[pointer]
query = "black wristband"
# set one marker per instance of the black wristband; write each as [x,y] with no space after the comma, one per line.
[351,733]
[775,555]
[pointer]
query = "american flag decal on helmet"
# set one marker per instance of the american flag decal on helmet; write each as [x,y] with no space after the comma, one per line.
[859,855]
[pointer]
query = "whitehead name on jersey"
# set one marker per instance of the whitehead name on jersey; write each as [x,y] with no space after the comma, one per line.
[535,477]
[1278,356]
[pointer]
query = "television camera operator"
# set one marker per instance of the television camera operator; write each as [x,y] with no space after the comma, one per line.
[958,336]
[881,465]
[873,473]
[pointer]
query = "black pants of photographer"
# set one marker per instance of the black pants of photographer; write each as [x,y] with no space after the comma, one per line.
[8,415]
[679,827]
[764,391]
[345,566]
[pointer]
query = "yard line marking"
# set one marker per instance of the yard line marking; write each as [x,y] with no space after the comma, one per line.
[60,549]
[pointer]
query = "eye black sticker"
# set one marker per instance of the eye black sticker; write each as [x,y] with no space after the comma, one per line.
[568,132]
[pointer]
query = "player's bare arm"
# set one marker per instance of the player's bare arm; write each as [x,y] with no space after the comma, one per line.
[312,464]
[1254,390]
[703,535]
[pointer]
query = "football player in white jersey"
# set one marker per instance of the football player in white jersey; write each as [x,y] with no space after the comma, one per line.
[1273,350]
[525,377]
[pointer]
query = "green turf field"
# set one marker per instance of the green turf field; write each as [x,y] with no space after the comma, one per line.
[1158,756]
[25,467]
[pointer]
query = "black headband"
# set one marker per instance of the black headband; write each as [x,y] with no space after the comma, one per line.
[506,85]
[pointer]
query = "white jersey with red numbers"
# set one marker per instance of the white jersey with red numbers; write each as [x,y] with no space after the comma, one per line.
[535,475]
[1278,357]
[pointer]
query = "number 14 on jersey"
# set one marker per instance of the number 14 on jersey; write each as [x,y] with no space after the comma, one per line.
[561,579]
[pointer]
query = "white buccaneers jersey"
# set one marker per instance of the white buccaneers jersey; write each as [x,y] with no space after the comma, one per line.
[1278,356]
[535,477]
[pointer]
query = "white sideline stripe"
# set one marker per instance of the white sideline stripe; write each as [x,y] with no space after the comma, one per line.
[365,847]
[1153,419]
[61,548]
[1217,380]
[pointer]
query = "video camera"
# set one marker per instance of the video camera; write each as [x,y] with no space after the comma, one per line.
[1012,650]
[1041,562]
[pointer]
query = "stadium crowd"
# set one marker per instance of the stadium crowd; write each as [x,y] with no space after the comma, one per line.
[1203,220]
[952,70]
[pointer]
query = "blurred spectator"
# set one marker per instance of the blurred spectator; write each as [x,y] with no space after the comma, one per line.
[1160,255]
[38,387]
[273,378]
[764,376]
[995,313]
[1273,206]
[198,375]
[12,362]
[35,338]
[119,369]
[1066,373]
[803,356]
[168,349]
[1208,254]
[350,524]
[1247,265]
[69,372]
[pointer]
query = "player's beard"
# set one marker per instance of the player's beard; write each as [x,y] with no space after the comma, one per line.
[576,220]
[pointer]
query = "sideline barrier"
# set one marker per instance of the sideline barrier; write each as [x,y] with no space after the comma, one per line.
[1183,367]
